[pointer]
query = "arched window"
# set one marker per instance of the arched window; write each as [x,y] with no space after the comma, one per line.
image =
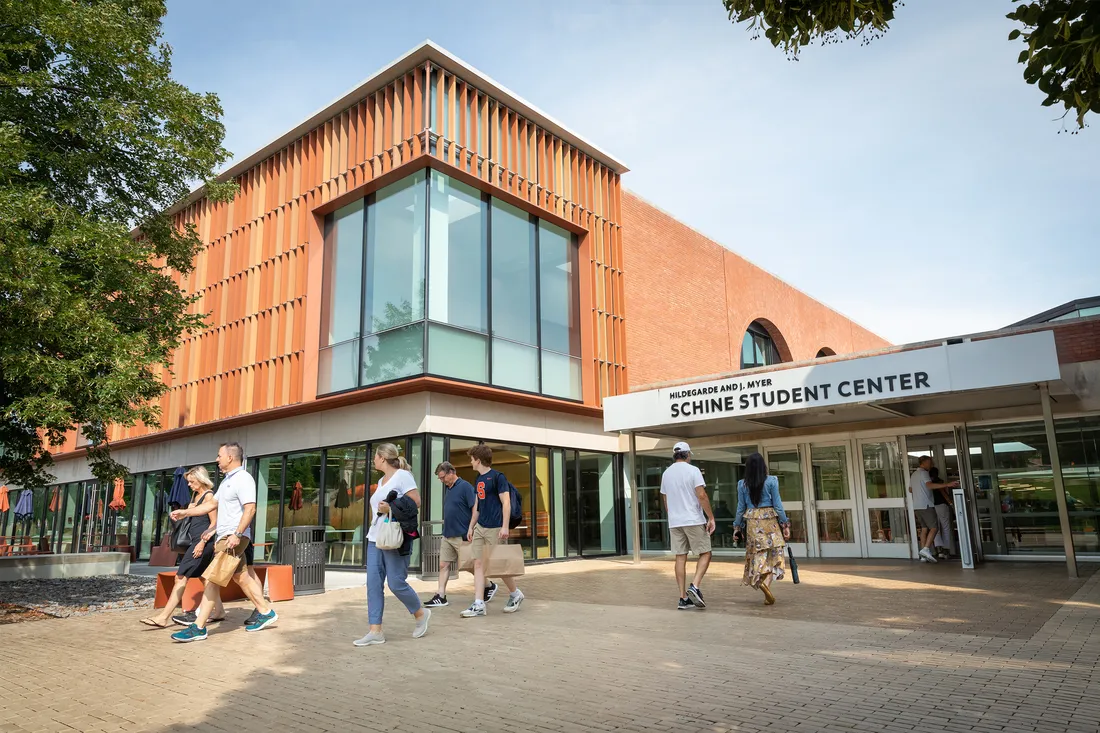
[758,348]
[825,351]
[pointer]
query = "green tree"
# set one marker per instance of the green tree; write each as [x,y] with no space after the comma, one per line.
[1061,38]
[95,139]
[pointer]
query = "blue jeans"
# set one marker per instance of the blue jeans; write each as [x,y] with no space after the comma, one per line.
[388,565]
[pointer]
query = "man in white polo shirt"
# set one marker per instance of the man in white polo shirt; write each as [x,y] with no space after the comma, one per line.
[235,502]
[690,522]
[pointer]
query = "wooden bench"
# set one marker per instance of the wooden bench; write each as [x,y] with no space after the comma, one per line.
[280,587]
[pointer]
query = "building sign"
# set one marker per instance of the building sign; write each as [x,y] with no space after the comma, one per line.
[902,375]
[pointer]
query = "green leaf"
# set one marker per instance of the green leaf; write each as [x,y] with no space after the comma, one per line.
[1014,35]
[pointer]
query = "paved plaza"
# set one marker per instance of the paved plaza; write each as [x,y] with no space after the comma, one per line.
[599,646]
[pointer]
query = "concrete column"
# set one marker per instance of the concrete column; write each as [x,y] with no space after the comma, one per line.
[1059,485]
[635,512]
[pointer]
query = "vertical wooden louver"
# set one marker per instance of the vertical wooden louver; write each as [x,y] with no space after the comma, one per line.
[251,278]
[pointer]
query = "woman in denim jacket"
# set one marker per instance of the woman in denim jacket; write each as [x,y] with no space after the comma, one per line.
[761,517]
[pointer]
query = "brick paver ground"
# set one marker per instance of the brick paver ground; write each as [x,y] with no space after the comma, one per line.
[860,646]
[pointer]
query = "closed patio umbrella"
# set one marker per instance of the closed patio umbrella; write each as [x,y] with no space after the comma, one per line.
[24,507]
[118,502]
[180,495]
[4,506]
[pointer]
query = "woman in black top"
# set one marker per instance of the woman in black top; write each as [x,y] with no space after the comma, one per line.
[204,517]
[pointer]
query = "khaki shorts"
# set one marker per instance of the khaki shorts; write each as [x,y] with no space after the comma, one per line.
[485,539]
[449,546]
[696,539]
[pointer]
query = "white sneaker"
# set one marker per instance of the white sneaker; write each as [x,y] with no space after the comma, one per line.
[514,602]
[474,610]
[927,555]
[374,637]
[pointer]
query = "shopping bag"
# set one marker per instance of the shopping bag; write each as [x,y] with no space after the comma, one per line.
[226,563]
[505,561]
[465,559]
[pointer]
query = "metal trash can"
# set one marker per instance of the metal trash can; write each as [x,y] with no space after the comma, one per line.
[303,548]
[431,537]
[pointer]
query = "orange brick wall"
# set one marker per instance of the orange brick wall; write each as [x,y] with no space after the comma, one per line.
[690,300]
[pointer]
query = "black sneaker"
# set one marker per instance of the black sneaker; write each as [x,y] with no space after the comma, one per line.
[185,619]
[437,601]
[253,617]
[685,605]
[696,596]
[490,591]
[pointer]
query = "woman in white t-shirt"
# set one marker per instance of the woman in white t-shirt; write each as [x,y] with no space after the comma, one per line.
[389,565]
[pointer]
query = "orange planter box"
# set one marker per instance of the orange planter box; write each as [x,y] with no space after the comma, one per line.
[280,587]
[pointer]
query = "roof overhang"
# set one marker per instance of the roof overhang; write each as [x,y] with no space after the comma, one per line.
[426,51]
[917,384]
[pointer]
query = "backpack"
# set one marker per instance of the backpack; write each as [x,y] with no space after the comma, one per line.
[517,506]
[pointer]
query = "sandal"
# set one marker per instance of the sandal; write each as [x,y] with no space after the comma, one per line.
[154,624]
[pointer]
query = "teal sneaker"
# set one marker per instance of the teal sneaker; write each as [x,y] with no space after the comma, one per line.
[263,621]
[191,633]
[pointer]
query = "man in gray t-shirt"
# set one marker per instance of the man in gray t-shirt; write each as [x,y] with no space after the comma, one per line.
[924,510]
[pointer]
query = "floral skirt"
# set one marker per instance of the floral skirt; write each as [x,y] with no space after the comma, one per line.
[764,546]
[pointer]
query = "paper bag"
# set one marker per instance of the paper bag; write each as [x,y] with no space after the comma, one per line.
[226,563]
[505,560]
[465,560]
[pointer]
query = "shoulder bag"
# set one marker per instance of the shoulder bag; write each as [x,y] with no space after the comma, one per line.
[390,535]
[180,537]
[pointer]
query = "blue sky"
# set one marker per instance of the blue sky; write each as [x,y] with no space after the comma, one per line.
[916,184]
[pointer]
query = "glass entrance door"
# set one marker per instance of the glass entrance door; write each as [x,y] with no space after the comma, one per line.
[785,463]
[883,481]
[834,502]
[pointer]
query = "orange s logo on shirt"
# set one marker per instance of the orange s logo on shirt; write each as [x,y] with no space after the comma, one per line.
[481,489]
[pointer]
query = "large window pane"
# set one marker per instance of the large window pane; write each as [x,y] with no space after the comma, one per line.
[515,366]
[458,354]
[787,469]
[830,473]
[269,496]
[597,503]
[561,376]
[395,255]
[883,472]
[558,492]
[540,522]
[558,291]
[458,265]
[343,275]
[835,525]
[345,482]
[393,355]
[338,367]
[302,495]
[514,310]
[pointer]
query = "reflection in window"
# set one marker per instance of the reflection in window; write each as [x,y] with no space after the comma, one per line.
[302,490]
[889,526]
[758,348]
[345,489]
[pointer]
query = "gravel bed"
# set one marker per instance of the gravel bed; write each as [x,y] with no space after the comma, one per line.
[78,596]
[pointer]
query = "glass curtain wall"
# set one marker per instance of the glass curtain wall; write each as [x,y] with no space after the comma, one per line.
[269,500]
[432,276]
[1012,469]
[722,468]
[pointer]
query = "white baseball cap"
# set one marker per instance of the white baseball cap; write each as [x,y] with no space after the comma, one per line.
[681,447]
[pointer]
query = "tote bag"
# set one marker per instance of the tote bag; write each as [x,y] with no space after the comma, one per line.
[390,535]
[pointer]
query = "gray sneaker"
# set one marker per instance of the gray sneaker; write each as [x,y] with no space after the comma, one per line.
[374,637]
[514,602]
[422,624]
